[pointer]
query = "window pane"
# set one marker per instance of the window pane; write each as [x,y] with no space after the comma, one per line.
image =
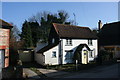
[91,54]
[69,42]
[89,41]
[69,55]
[54,54]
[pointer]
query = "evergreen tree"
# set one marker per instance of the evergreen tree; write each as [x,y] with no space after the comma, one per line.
[26,35]
[35,31]
[39,27]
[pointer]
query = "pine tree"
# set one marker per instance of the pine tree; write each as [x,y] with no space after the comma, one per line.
[35,31]
[26,35]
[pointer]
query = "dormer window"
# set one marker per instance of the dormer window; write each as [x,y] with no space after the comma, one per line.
[68,42]
[53,40]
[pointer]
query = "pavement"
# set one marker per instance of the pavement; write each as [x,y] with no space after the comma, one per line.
[52,73]
[30,74]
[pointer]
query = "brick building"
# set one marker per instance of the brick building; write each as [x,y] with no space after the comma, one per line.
[4,43]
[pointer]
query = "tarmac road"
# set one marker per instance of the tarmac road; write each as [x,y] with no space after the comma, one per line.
[108,71]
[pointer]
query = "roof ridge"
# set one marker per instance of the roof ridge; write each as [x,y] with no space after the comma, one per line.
[70,25]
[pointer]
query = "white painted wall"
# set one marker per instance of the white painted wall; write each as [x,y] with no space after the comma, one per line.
[54,61]
[48,56]
[75,43]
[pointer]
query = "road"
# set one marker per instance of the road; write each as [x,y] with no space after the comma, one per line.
[108,71]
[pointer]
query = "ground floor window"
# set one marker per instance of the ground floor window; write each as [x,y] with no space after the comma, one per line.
[54,54]
[91,54]
[69,54]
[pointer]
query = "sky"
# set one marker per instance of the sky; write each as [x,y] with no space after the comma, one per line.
[87,13]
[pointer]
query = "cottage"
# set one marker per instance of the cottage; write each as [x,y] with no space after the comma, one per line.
[109,38]
[65,42]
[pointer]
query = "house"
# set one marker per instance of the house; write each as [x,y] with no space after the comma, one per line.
[109,38]
[4,43]
[65,42]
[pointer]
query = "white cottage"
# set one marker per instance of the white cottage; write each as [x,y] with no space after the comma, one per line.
[65,42]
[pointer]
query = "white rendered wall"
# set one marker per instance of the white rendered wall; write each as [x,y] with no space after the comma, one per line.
[75,43]
[48,56]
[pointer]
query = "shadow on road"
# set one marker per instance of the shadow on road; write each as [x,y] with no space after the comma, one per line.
[31,65]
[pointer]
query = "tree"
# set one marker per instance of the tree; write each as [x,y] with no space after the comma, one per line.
[46,23]
[26,35]
[35,32]
[15,44]
[38,26]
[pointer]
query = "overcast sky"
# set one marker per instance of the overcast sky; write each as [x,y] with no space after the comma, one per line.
[87,13]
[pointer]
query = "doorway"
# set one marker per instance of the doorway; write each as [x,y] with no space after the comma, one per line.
[85,57]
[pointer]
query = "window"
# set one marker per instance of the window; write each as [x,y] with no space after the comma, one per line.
[53,40]
[54,54]
[69,54]
[68,42]
[90,42]
[91,54]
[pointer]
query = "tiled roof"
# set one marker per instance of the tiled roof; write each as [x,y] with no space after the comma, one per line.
[70,31]
[47,47]
[5,24]
[110,34]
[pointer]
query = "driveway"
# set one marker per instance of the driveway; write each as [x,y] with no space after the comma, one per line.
[30,74]
[108,71]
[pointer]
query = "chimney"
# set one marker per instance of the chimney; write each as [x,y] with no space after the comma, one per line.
[99,25]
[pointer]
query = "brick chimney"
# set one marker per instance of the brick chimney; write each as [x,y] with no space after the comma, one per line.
[99,25]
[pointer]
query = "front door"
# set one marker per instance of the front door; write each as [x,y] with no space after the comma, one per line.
[85,57]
